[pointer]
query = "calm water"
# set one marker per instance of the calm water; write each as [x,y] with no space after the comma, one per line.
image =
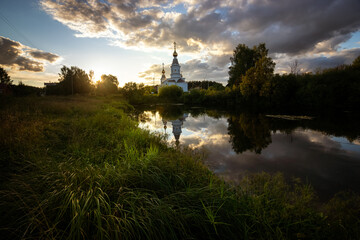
[322,151]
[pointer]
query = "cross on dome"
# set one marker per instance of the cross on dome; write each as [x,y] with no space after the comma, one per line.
[175,53]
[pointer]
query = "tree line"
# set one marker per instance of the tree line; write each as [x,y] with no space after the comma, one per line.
[252,84]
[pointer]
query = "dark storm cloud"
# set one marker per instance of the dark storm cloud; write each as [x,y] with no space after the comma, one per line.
[313,64]
[295,26]
[14,54]
[287,26]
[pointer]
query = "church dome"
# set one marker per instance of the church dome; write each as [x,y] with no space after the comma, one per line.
[175,54]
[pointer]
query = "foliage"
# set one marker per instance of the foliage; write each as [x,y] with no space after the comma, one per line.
[244,59]
[171,93]
[195,96]
[259,89]
[25,90]
[256,81]
[108,84]
[205,85]
[74,80]
[133,92]
[4,77]
[356,62]
[79,168]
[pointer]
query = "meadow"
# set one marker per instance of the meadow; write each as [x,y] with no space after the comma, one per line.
[80,168]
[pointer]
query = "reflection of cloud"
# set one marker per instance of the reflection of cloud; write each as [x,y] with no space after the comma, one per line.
[14,54]
[212,125]
[308,154]
[327,162]
[213,28]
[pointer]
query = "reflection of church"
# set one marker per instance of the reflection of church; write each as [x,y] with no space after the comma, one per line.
[176,77]
[176,126]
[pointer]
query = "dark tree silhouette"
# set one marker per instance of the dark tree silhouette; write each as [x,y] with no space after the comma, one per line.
[356,62]
[74,80]
[4,77]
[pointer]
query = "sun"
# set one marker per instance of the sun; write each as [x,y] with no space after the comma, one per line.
[97,73]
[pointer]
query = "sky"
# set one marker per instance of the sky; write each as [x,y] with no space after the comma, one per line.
[131,39]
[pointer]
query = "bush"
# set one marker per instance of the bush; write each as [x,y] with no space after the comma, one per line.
[171,93]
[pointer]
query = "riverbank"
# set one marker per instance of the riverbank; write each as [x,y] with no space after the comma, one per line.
[80,168]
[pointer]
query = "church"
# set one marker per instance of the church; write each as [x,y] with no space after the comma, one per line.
[176,77]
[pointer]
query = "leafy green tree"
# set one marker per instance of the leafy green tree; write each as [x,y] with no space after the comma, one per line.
[257,79]
[133,92]
[4,77]
[108,84]
[195,96]
[242,60]
[74,80]
[172,92]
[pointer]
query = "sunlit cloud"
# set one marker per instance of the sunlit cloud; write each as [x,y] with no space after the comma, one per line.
[210,29]
[23,58]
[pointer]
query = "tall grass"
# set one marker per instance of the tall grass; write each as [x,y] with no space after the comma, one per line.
[79,168]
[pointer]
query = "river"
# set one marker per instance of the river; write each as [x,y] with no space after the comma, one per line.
[322,151]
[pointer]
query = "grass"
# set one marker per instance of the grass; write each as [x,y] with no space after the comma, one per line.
[80,168]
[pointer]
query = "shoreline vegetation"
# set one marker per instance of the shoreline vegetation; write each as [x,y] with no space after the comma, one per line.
[252,86]
[80,168]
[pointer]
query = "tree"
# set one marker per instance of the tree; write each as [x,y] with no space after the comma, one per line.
[74,80]
[172,92]
[243,59]
[257,79]
[356,62]
[133,92]
[108,84]
[205,85]
[4,77]
[294,67]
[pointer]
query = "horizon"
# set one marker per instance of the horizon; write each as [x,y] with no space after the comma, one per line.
[131,40]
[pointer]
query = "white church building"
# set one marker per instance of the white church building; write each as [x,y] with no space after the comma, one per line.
[176,77]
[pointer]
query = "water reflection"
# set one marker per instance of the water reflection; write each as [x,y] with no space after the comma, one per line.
[176,126]
[249,132]
[324,152]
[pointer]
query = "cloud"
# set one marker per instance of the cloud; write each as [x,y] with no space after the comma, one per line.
[212,28]
[317,62]
[14,54]
[192,70]
[50,57]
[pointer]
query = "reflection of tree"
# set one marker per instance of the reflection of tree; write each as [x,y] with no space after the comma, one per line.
[249,132]
[196,112]
[170,112]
